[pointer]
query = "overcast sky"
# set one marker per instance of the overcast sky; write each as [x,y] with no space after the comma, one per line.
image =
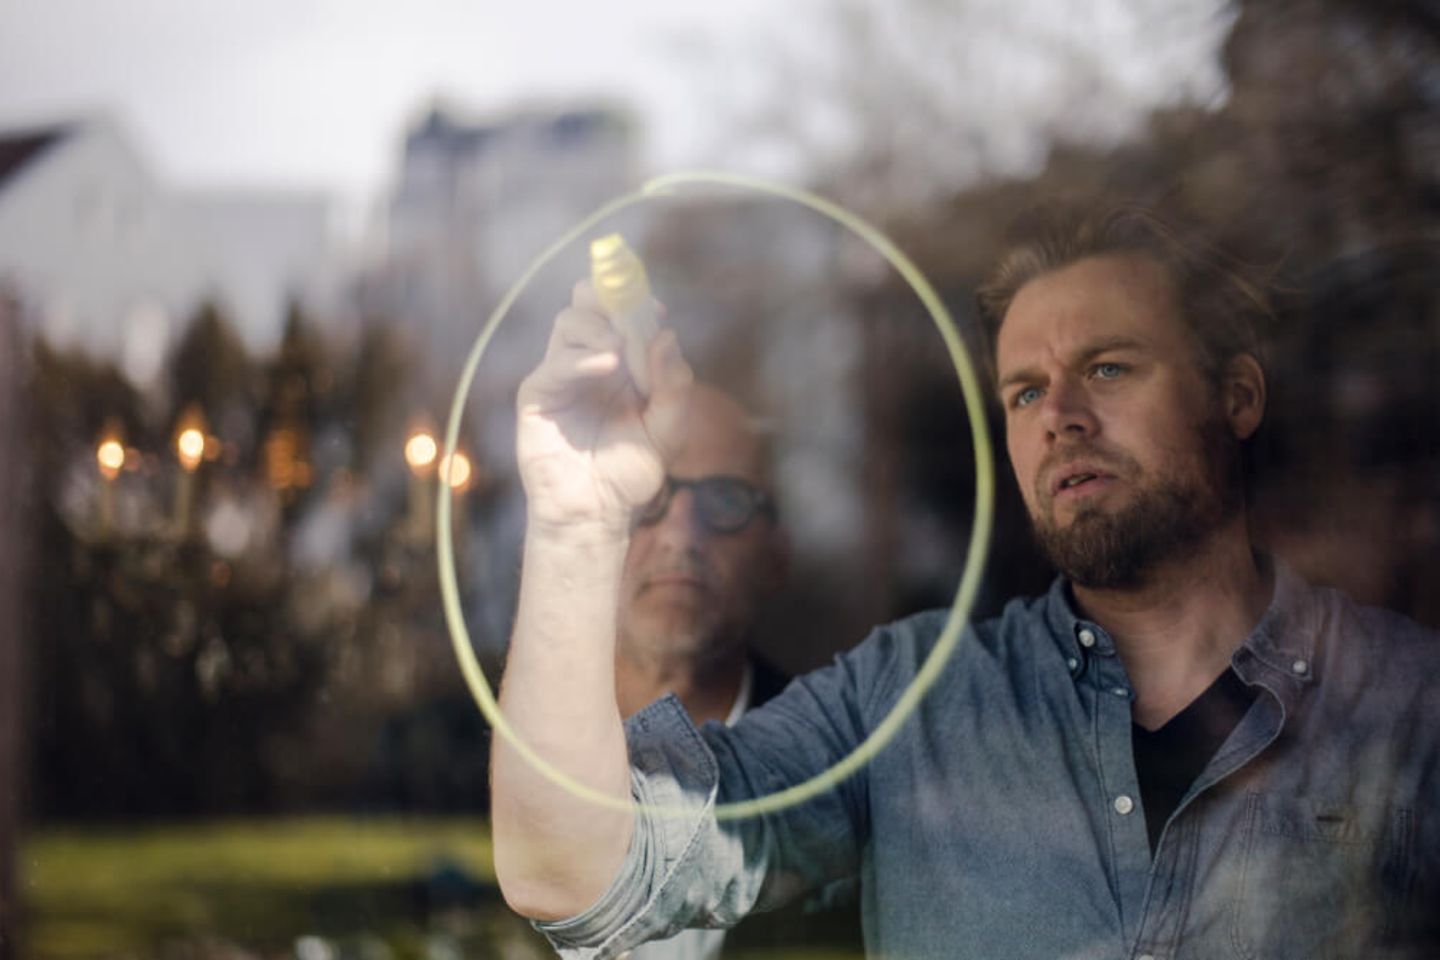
[317,93]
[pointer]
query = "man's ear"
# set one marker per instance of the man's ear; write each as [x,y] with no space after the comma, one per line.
[1243,393]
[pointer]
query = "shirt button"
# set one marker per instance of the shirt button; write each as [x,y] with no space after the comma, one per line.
[1120,691]
[1087,638]
[1072,663]
[1123,805]
[1300,667]
[1146,956]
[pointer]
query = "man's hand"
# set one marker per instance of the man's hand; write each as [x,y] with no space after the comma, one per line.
[590,447]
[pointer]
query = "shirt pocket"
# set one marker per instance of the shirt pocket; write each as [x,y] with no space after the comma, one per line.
[1318,880]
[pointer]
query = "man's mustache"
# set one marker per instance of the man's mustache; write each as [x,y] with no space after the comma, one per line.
[1094,455]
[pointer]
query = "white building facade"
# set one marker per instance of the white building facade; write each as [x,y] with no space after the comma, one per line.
[106,256]
[477,199]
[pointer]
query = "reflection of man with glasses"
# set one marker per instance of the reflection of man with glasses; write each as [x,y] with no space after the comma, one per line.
[704,554]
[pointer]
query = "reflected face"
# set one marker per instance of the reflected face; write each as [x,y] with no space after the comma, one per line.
[687,590]
[1118,440]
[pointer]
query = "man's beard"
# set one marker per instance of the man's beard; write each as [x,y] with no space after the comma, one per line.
[1165,521]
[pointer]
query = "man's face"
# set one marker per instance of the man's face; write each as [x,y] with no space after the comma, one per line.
[689,591]
[1120,443]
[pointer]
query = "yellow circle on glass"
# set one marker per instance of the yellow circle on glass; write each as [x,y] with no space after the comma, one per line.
[960,608]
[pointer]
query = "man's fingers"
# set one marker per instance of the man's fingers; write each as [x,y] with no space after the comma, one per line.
[563,377]
[668,368]
[583,297]
[667,413]
[582,329]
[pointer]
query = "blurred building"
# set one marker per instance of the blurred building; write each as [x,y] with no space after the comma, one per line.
[475,201]
[104,253]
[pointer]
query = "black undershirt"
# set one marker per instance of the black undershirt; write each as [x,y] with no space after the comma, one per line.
[1168,760]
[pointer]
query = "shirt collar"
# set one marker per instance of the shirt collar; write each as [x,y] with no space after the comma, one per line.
[743,697]
[1282,643]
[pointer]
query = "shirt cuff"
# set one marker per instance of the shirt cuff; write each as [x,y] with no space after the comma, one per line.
[673,779]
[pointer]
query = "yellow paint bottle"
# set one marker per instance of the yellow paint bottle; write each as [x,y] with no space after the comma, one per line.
[624,294]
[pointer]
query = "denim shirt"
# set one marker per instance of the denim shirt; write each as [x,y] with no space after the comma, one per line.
[1004,820]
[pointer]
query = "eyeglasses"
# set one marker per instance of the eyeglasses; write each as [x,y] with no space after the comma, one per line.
[724,504]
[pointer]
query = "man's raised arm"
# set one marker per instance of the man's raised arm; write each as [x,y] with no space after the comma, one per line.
[590,449]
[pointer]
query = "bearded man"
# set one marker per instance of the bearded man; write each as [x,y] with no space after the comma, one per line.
[1182,750]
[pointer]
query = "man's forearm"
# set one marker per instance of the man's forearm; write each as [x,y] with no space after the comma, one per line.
[556,853]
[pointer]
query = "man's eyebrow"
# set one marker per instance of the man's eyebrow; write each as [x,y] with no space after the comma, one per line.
[1090,352]
[1108,345]
[1014,377]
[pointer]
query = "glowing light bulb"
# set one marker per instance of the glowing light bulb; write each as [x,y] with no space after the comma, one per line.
[190,447]
[110,455]
[420,451]
[457,470]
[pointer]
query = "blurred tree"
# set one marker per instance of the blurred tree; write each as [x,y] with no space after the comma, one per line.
[73,397]
[168,678]
[210,366]
[896,106]
[172,674]
[371,395]
[300,379]
[298,400]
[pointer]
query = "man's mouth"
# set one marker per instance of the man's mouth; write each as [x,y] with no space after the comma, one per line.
[676,579]
[1079,479]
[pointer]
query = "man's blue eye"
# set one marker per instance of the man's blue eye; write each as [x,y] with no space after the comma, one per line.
[1026,397]
[1108,371]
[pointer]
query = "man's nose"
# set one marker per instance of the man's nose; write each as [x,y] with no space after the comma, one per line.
[681,525]
[1066,410]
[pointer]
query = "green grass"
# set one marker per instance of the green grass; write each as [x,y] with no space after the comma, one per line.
[138,893]
[125,892]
